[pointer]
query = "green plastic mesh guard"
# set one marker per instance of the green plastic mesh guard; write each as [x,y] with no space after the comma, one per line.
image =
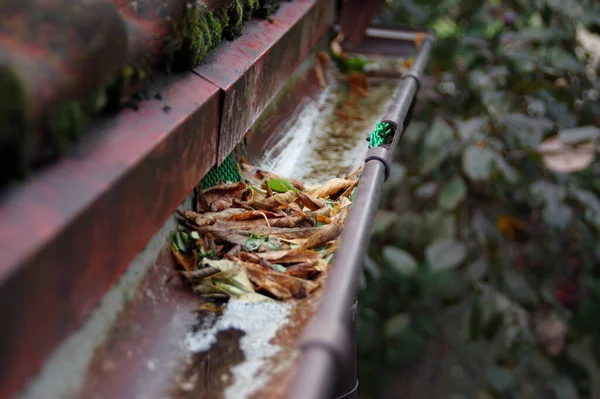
[380,134]
[224,173]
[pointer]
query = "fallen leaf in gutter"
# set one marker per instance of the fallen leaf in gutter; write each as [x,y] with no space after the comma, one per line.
[186,261]
[311,202]
[308,270]
[205,219]
[219,197]
[329,232]
[253,215]
[277,283]
[332,187]
[274,202]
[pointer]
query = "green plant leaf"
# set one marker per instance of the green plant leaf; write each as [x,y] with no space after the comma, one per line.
[280,185]
[557,215]
[395,325]
[492,325]
[475,319]
[452,193]
[579,134]
[445,254]
[564,388]
[254,242]
[500,380]
[400,261]
[478,163]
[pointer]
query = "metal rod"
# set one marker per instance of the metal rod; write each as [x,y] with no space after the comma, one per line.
[391,34]
[325,341]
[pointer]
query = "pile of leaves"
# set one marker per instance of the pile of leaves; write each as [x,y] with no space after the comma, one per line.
[483,276]
[263,238]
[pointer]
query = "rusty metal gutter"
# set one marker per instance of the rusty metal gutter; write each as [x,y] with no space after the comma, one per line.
[68,234]
[326,367]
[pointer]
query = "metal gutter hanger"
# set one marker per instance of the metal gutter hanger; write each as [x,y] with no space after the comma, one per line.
[328,340]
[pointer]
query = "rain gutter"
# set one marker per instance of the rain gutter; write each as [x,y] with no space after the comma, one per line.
[327,364]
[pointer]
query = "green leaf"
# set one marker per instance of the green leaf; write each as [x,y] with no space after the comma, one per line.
[280,185]
[439,135]
[447,286]
[590,202]
[400,261]
[564,388]
[579,134]
[445,254]
[471,127]
[543,192]
[395,325]
[452,193]
[478,163]
[180,241]
[518,288]
[492,326]
[557,215]
[254,242]
[478,269]
[475,320]
[500,380]
[563,60]
[280,268]
[426,190]
[527,130]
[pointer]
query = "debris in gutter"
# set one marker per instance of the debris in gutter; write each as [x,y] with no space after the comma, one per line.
[265,238]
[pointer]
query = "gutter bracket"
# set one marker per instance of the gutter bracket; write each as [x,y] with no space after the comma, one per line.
[382,155]
[336,342]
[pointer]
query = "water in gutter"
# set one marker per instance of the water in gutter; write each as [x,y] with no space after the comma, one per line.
[319,142]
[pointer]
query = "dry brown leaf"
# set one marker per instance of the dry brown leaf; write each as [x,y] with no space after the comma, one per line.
[235,237]
[274,202]
[219,197]
[419,38]
[358,84]
[187,262]
[332,187]
[323,212]
[348,191]
[273,281]
[308,270]
[354,175]
[252,215]
[200,274]
[260,278]
[297,233]
[206,219]
[311,202]
[563,158]
[329,232]
[297,255]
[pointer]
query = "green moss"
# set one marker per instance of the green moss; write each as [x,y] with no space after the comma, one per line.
[267,7]
[235,18]
[216,30]
[199,33]
[16,135]
[65,123]
[250,6]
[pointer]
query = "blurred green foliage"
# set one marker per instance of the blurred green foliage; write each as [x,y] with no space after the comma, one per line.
[492,210]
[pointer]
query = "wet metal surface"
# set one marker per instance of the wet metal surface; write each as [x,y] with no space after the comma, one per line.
[69,233]
[327,137]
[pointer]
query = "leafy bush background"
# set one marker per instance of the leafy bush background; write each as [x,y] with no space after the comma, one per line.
[482,279]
